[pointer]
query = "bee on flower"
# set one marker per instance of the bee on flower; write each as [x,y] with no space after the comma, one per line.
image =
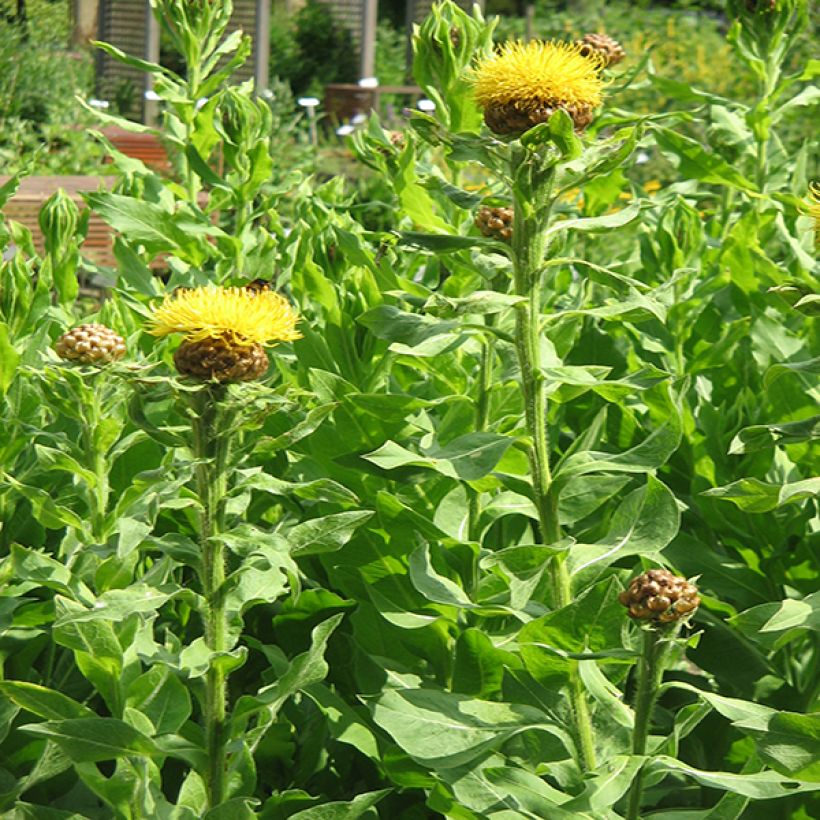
[226,330]
[524,84]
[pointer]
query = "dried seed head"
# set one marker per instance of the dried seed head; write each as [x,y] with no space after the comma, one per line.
[221,360]
[607,47]
[495,223]
[91,343]
[660,596]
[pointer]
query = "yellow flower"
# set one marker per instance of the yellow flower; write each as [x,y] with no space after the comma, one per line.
[535,79]
[813,206]
[238,315]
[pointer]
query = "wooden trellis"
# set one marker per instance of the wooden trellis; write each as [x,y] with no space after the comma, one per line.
[130,26]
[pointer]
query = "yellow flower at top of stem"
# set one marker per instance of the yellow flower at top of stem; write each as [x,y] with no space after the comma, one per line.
[523,84]
[225,330]
[245,317]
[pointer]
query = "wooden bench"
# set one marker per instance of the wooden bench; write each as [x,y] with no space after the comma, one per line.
[25,205]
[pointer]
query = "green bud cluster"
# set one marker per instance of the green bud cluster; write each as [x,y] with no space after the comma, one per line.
[446,46]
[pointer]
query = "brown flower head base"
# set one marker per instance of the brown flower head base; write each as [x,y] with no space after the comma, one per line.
[607,47]
[221,360]
[659,595]
[495,223]
[91,343]
[508,118]
[524,84]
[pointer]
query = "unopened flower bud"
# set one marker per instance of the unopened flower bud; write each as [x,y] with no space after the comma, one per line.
[91,343]
[660,596]
[495,223]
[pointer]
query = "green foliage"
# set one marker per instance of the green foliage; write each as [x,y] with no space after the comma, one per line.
[416,616]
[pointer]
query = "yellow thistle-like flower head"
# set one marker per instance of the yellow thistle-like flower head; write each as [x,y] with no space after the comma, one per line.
[523,84]
[243,317]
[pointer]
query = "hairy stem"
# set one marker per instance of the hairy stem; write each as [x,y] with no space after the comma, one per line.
[532,218]
[96,458]
[211,453]
[657,645]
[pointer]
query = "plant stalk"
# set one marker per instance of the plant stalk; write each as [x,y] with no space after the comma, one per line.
[92,417]
[657,645]
[531,220]
[211,447]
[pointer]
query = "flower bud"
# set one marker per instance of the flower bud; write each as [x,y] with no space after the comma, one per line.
[660,596]
[59,218]
[91,343]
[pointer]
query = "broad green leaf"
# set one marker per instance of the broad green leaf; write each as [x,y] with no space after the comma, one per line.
[339,810]
[697,163]
[444,729]
[644,523]
[326,534]
[395,325]
[88,740]
[304,670]
[529,794]
[468,457]
[753,495]
[758,786]
[431,584]
[592,224]
[162,698]
[643,458]
[762,436]
[607,785]
[43,702]
[590,624]
[344,722]
[478,666]
[50,514]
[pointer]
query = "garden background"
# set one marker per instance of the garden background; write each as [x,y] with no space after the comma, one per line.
[379,560]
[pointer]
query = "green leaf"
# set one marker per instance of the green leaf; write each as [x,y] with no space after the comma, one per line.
[644,523]
[763,436]
[650,454]
[43,702]
[597,223]
[304,670]
[449,243]
[467,457]
[478,667]
[433,586]
[88,740]
[342,810]
[590,624]
[51,515]
[528,793]
[606,786]
[758,785]
[443,729]
[162,698]
[753,495]
[9,358]
[325,534]
[696,163]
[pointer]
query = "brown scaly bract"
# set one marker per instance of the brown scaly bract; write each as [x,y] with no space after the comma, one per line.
[659,595]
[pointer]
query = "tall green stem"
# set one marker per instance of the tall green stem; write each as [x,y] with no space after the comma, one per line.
[532,217]
[485,378]
[96,457]
[210,449]
[657,645]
